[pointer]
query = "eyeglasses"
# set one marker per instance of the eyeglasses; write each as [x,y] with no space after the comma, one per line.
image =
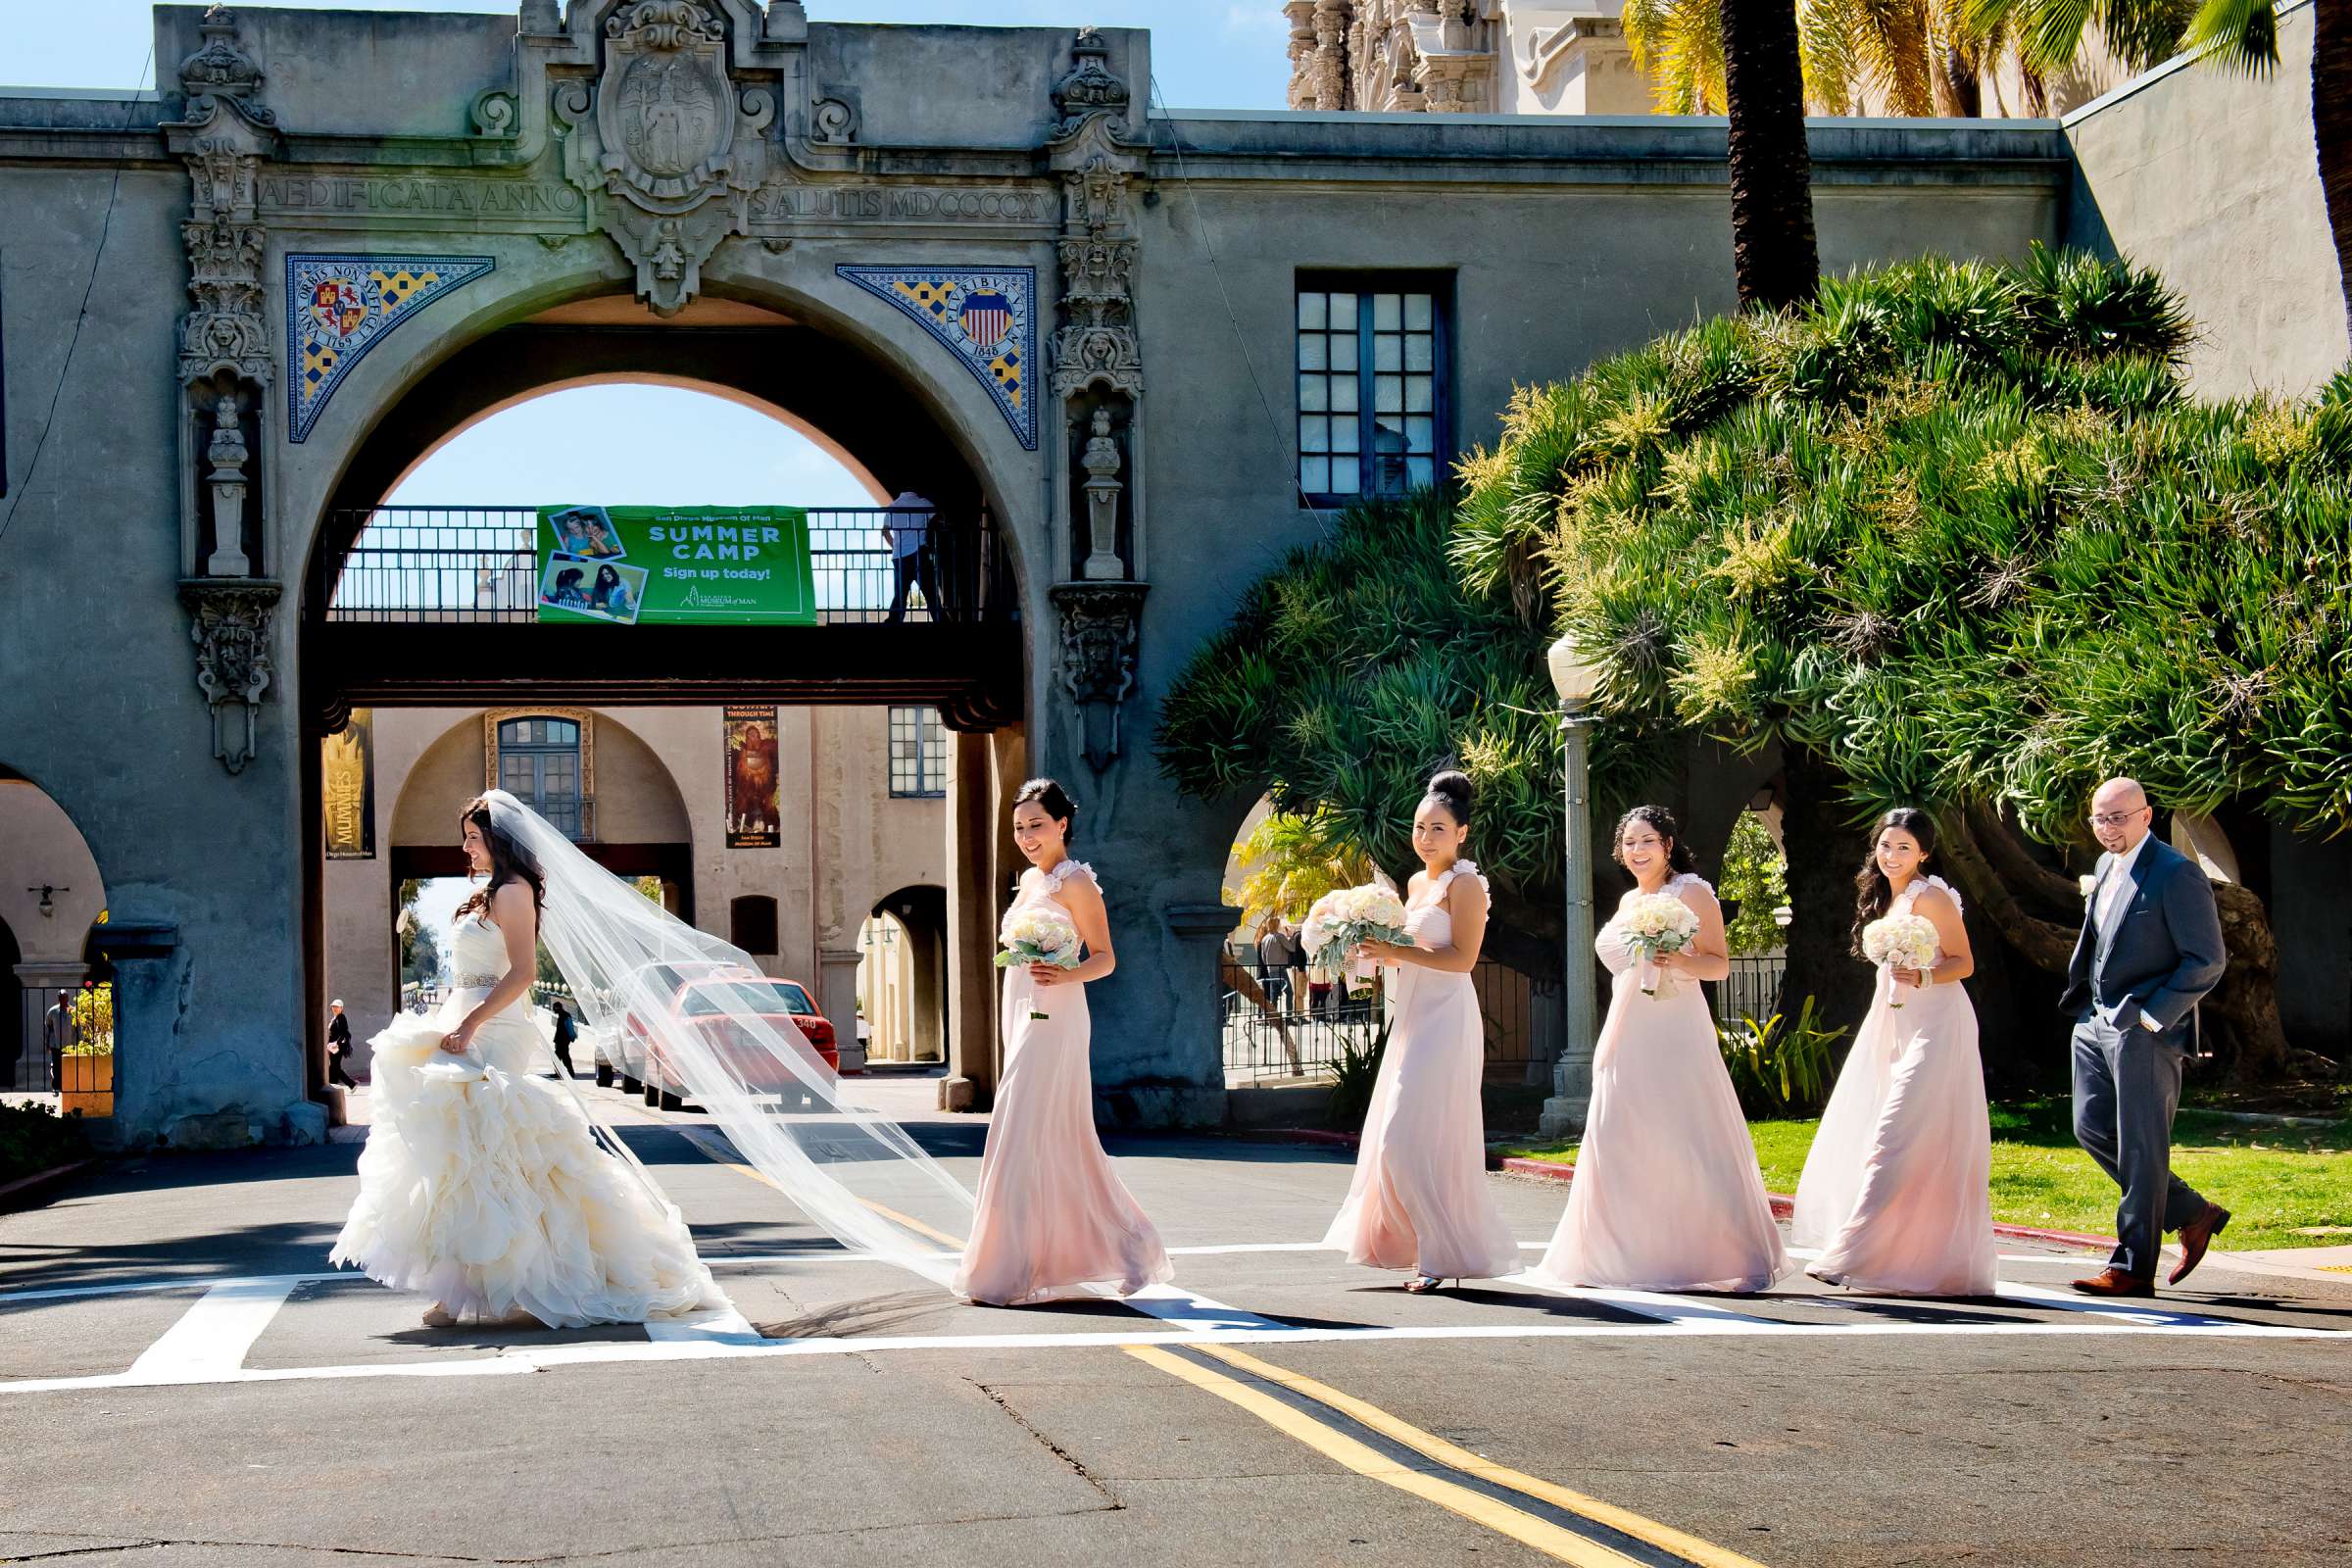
[2114,819]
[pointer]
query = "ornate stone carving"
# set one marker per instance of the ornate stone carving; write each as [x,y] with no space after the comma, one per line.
[221,74]
[1096,344]
[1100,625]
[1397,55]
[230,626]
[833,122]
[1102,461]
[223,139]
[671,141]
[227,452]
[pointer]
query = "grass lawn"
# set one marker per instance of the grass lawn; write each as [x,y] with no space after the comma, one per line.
[2275,1181]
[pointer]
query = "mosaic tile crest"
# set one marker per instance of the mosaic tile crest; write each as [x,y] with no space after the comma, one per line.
[987,317]
[339,306]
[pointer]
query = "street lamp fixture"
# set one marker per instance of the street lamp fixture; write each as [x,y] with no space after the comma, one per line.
[1575,676]
[47,905]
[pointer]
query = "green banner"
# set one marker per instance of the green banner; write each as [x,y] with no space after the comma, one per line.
[679,566]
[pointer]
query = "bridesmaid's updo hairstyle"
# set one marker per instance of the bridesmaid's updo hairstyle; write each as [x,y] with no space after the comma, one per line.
[510,861]
[1451,790]
[1677,859]
[1052,799]
[1872,891]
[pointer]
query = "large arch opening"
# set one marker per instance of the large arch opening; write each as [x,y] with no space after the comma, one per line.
[821,697]
[52,902]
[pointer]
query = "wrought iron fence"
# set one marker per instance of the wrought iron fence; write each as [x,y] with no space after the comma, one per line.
[1752,990]
[1270,1032]
[479,563]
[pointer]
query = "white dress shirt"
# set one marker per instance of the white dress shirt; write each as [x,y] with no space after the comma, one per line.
[2114,889]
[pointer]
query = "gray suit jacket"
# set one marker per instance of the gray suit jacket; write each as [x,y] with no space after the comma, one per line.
[2160,956]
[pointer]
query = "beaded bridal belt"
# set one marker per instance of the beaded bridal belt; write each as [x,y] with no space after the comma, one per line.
[473,982]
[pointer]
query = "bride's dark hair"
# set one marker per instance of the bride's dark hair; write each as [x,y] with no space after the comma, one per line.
[510,861]
[1052,799]
[1873,892]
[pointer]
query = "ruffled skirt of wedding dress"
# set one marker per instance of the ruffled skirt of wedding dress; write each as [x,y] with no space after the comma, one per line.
[490,1196]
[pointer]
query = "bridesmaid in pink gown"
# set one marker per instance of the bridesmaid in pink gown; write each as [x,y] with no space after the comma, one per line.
[1667,1195]
[1420,1198]
[1894,1195]
[1053,1216]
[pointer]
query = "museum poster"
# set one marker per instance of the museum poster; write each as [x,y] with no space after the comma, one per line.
[347,783]
[688,566]
[755,814]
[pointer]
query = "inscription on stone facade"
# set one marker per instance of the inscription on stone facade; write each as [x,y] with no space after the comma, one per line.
[465,198]
[899,204]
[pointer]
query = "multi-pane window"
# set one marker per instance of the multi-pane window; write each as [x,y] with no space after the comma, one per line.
[918,753]
[539,765]
[1372,391]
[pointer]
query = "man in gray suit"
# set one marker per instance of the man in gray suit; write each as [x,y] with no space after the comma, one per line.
[2151,948]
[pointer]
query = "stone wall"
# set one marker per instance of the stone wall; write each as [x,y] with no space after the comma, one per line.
[2212,178]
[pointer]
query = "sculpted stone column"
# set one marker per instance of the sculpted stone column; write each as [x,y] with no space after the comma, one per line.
[1099,373]
[228,366]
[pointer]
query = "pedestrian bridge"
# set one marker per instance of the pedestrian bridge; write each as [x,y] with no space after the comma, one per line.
[441,605]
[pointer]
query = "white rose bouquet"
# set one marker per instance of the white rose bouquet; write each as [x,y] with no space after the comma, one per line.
[1657,924]
[1901,941]
[1339,920]
[1037,936]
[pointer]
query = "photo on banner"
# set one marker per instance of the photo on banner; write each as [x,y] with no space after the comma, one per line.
[681,566]
[755,805]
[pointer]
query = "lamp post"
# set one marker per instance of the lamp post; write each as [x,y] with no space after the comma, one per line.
[1575,677]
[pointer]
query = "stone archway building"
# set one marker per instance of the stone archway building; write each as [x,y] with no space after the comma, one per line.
[334,236]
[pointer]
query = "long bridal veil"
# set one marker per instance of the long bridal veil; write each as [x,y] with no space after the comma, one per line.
[855,1174]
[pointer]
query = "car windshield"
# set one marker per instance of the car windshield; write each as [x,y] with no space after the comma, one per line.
[738,995]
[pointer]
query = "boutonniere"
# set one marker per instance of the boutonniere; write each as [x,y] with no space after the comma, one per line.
[2090,885]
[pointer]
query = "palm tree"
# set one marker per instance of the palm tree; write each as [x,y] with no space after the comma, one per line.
[1774,255]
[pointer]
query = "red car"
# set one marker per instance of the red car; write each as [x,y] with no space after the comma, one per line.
[713,1007]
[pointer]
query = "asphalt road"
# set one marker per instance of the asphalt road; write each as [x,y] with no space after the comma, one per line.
[183,1383]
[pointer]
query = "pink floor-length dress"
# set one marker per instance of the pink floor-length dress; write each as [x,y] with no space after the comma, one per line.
[1420,1197]
[1667,1195]
[1896,1192]
[1053,1216]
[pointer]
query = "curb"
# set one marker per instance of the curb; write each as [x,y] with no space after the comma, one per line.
[1782,1206]
[31,1192]
[1291,1135]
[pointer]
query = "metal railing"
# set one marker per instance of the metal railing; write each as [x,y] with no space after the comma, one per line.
[480,564]
[1276,1034]
[1752,990]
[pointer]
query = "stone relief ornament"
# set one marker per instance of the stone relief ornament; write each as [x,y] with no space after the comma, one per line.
[1096,344]
[670,140]
[339,306]
[1100,626]
[987,317]
[230,626]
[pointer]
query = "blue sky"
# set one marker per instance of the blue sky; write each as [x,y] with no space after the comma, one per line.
[1207,54]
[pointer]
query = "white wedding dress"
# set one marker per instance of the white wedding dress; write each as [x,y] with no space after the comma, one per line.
[488,1193]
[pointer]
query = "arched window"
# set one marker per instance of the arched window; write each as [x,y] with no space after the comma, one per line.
[752,924]
[539,765]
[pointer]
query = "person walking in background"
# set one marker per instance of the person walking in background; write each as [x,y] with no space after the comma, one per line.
[564,1035]
[907,529]
[2149,950]
[338,1045]
[1295,961]
[57,1033]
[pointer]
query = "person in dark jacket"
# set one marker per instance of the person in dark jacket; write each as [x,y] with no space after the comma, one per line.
[338,1047]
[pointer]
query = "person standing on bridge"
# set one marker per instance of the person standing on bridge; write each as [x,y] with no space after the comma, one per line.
[907,529]
[1420,1198]
[1053,1216]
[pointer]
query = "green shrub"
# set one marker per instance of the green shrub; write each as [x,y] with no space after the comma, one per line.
[1779,1071]
[1352,1077]
[33,1138]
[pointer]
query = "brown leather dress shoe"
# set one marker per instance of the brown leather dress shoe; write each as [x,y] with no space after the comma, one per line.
[2115,1282]
[2195,1237]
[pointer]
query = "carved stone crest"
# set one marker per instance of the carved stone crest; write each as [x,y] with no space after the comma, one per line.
[230,626]
[671,141]
[1101,623]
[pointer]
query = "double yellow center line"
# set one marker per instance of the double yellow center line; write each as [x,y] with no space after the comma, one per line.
[1551,1519]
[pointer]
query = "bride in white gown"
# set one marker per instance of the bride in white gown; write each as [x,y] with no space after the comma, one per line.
[482,1185]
